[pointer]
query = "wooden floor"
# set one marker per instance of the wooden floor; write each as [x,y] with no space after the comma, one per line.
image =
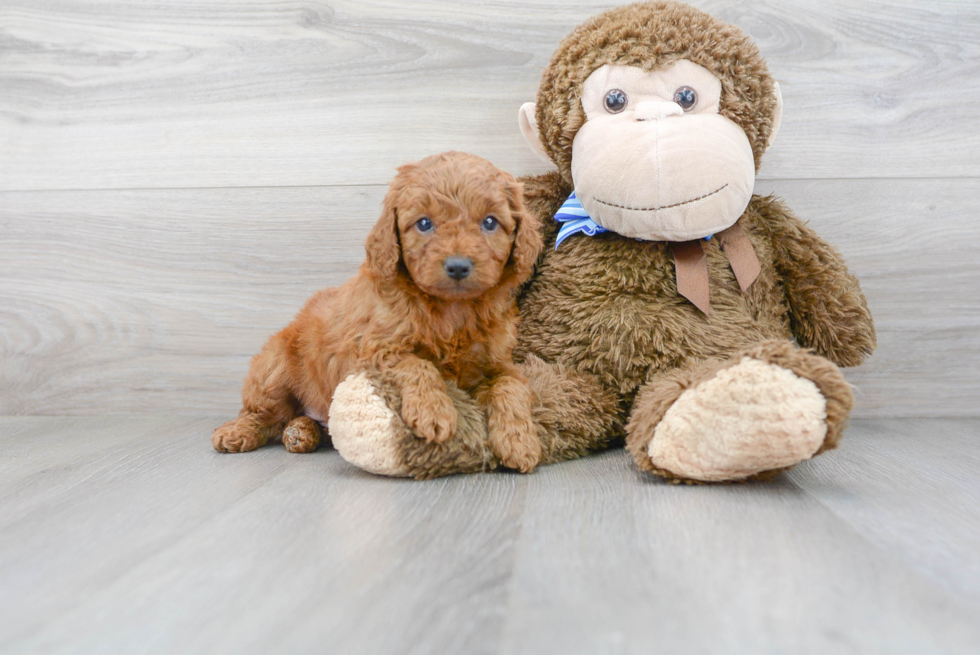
[130,535]
[177,178]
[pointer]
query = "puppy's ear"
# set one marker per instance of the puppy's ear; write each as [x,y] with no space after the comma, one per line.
[382,246]
[383,250]
[527,239]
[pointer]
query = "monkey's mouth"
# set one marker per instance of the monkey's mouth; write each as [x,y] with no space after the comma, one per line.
[655,209]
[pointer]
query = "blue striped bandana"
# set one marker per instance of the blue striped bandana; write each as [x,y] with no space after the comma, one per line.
[575,219]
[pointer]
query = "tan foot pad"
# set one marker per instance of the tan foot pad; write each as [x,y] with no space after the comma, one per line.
[748,418]
[362,428]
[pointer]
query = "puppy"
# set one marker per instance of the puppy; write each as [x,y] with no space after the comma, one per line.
[434,301]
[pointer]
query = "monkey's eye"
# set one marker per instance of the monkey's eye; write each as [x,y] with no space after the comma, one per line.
[424,224]
[615,101]
[490,223]
[686,97]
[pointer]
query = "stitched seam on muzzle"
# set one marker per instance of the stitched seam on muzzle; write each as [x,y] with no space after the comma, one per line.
[653,209]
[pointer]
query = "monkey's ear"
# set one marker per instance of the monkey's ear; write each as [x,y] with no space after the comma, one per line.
[777,114]
[529,128]
[383,249]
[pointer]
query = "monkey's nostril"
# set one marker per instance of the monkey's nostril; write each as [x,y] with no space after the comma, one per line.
[458,267]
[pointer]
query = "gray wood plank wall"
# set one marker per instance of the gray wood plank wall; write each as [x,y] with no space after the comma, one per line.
[176,178]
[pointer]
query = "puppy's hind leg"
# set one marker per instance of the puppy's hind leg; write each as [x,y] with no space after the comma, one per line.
[302,435]
[267,403]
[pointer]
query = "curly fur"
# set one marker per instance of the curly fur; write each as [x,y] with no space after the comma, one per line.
[403,314]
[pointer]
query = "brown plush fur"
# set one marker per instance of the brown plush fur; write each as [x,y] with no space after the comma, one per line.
[606,342]
[652,36]
[406,316]
[636,323]
[608,307]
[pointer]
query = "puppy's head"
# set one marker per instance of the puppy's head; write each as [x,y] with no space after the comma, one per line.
[456,225]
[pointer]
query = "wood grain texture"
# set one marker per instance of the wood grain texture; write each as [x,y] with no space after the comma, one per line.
[911,486]
[121,295]
[149,541]
[107,94]
[132,535]
[746,568]
[135,302]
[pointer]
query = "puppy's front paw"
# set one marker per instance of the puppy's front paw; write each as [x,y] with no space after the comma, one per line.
[237,436]
[517,445]
[430,415]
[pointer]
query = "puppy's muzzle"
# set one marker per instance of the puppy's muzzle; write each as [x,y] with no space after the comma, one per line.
[458,267]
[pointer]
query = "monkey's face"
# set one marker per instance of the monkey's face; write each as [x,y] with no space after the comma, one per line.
[654,159]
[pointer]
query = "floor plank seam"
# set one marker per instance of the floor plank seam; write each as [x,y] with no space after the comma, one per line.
[857,530]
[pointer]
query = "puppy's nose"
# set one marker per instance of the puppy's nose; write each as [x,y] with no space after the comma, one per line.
[458,267]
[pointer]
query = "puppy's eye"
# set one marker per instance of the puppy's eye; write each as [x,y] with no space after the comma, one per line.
[424,224]
[686,97]
[490,223]
[615,101]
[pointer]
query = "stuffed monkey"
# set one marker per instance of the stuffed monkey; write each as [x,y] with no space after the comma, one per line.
[672,309]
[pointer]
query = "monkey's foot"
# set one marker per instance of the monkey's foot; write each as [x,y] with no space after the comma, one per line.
[765,411]
[749,418]
[367,430]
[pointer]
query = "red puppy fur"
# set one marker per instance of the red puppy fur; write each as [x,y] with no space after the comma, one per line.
[434,301]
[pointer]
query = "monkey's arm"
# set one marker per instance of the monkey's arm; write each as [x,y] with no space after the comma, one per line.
[828,311]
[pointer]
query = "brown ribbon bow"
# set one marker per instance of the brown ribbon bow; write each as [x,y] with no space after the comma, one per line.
[691,265]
